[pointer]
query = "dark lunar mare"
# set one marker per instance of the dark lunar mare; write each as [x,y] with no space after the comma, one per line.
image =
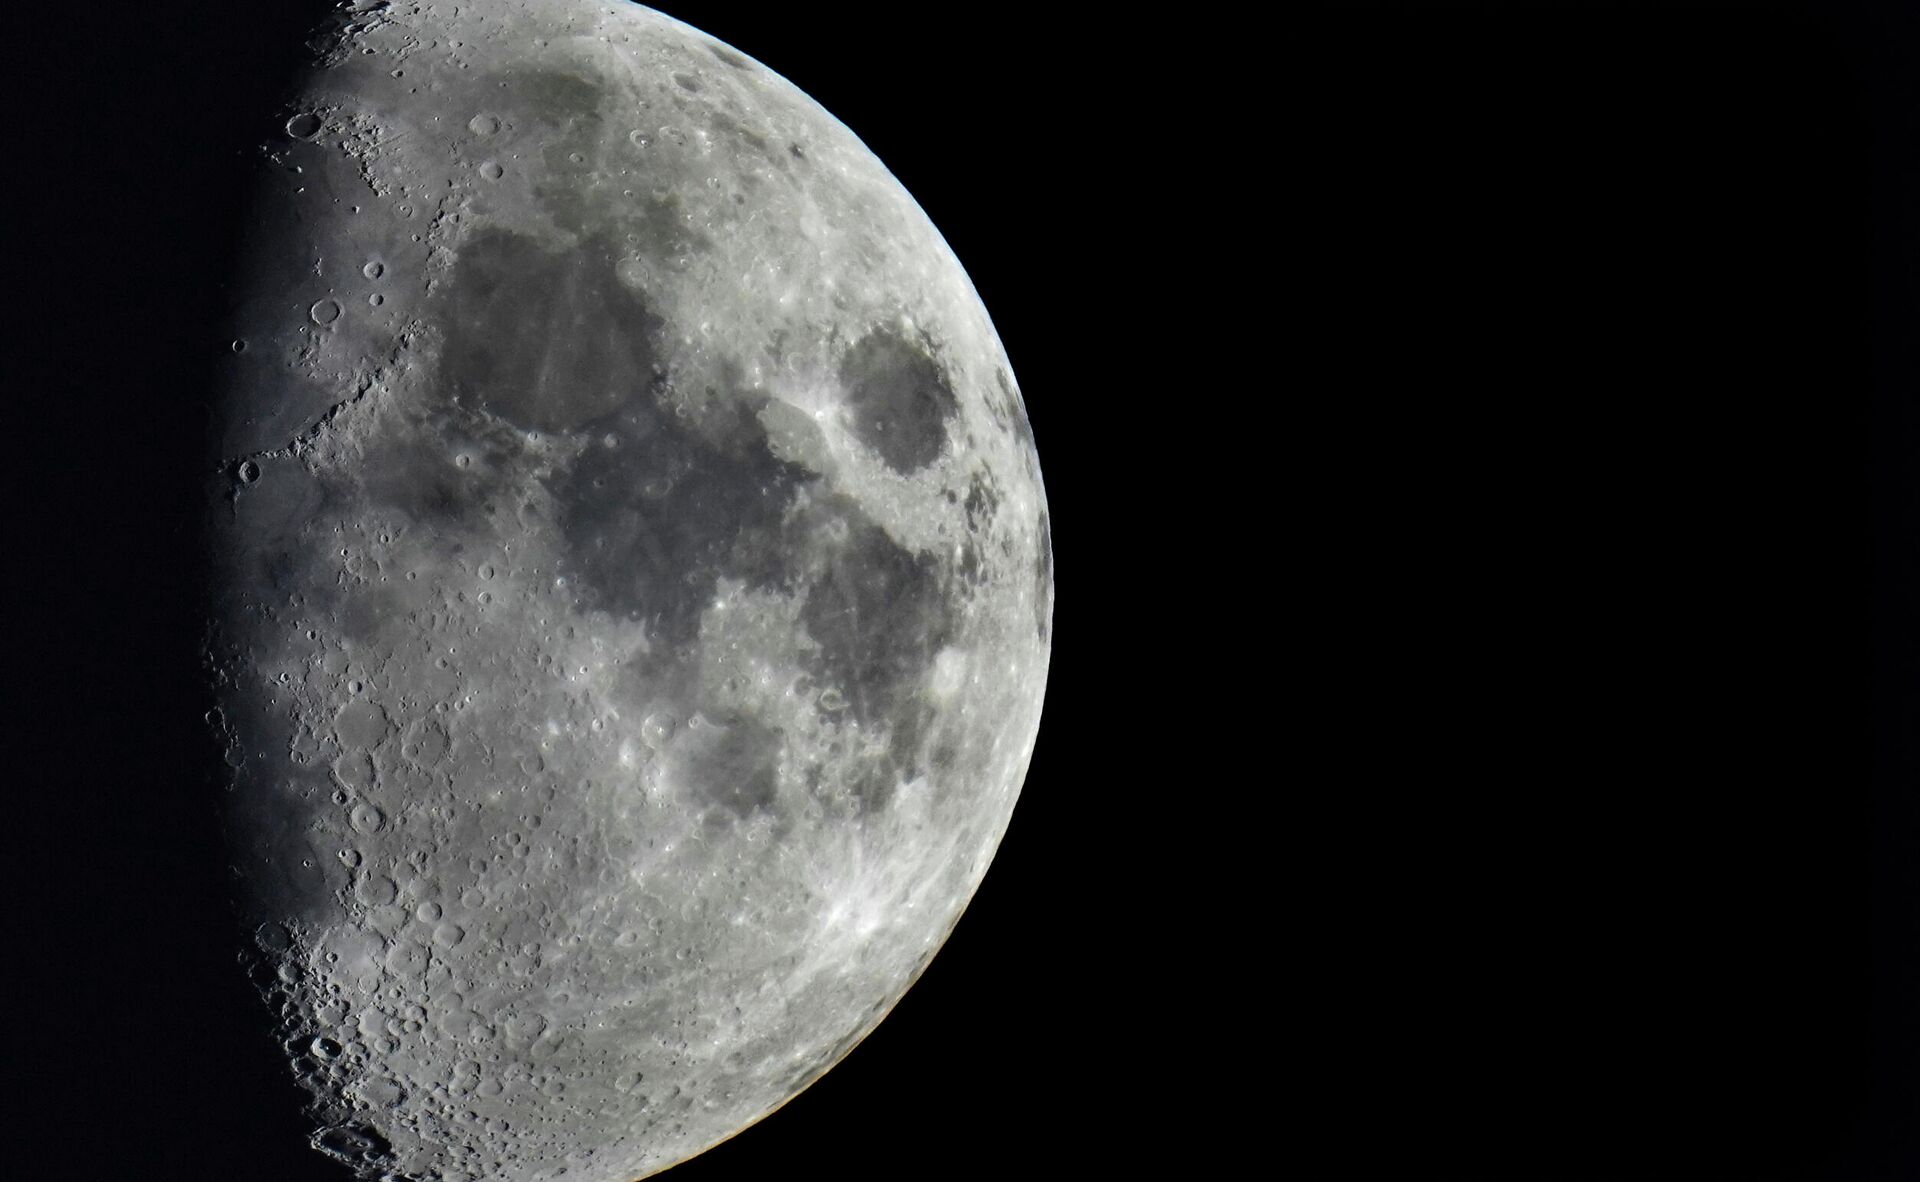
[655,513]
[879,614]
[548,340]
[899,398]
[1043,579]
[677,490]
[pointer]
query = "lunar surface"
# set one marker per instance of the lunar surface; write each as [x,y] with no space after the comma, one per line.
[633,589]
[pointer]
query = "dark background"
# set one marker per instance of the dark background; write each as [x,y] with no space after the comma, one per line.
[1480,441]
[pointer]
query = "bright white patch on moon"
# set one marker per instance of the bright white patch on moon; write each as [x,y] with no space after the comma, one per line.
[634,590]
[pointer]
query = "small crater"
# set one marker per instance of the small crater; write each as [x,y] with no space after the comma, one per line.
[492,170]
[484,124]
[304,126]
[324,312]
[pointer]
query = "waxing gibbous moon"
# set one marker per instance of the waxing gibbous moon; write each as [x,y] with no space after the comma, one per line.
[633,589]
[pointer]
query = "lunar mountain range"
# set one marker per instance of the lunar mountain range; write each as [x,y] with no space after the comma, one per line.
[634,590]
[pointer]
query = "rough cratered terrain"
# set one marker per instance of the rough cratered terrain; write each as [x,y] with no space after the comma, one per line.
[634,590]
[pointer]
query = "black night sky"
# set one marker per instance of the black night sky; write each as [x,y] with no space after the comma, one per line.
[1483,450]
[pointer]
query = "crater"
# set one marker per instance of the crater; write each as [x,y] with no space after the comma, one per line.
[354,1144]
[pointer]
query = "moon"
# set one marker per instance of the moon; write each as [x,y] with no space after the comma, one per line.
[633,589]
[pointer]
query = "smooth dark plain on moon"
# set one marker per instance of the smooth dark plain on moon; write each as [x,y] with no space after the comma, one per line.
[634,590]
